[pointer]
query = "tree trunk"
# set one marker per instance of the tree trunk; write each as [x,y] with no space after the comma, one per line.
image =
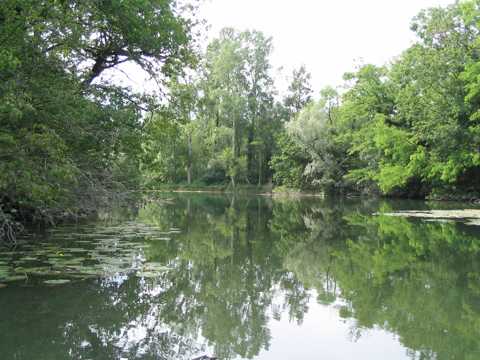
[174,151]
[260,168]
[250,152]
[189,165]
[235,150]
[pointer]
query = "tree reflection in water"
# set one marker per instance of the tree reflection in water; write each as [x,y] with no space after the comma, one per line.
[240,263]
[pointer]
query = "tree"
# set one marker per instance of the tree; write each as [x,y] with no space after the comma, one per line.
[66,131]
[260,90]
[290,158]
[423,140]
[236,98]
[93,36]
[299,91]
[312,131]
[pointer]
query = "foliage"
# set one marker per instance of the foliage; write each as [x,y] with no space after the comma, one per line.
[299,91]
[230,116]
[410,128]
[289,163]
[68,136]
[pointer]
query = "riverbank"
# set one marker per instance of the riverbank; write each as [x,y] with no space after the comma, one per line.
[269,190]
[264,190]
[218,188]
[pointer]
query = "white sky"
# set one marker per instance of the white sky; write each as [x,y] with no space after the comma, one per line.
[328,36]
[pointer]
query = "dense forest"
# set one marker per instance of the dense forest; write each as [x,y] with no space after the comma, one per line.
[71,136]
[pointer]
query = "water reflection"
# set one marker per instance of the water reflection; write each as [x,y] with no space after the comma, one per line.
[235,266]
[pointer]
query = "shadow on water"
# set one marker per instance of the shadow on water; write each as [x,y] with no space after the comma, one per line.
[195,274]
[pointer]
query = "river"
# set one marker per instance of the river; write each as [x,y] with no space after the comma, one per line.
[245,277]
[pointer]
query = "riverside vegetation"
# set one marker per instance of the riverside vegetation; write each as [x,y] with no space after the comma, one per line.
[157,275]
[71,136]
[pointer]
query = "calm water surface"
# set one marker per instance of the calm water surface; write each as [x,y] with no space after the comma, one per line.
[245,278]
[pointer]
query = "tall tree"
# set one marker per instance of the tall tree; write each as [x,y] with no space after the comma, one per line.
[299,91]
[238,92]
[260,89]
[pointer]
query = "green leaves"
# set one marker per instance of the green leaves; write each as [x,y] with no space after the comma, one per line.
[411,128]
[219,124]
[64,141]
[299,91]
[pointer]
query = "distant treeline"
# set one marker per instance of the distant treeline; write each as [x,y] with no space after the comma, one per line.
[409,128]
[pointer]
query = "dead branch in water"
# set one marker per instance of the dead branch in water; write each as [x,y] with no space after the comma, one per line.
[9,228]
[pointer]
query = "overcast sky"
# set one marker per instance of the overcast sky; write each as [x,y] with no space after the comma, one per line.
[328,36]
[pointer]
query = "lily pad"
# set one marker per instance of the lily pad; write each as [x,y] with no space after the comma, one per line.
[22,270]
[7,253]
[157,267]
[75,250]
[83,276]
[469,216]
[147,274]
[29,258]
[13,278]
[57,282]
[107,250]
[159,239]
